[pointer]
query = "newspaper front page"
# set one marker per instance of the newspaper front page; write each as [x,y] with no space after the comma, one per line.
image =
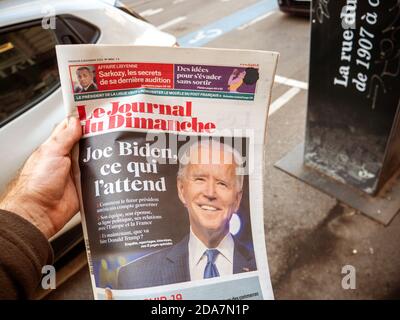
[170,168]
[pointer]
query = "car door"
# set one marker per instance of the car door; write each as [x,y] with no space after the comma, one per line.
[30,94]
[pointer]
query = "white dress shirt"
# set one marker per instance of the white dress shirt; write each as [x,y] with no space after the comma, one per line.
[198,260]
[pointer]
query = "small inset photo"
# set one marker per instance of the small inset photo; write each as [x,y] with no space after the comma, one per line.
[83,78]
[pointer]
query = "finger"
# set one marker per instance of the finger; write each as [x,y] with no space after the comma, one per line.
[108,294]
[73,134]
[61,126]
[65,135]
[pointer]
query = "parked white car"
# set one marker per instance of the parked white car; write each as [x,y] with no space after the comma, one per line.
[30,94]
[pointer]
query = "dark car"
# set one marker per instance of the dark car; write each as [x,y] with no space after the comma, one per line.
[296,7]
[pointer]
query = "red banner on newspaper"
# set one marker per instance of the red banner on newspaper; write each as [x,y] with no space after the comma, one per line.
[117,76]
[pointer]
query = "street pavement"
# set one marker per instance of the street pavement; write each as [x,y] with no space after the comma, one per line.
[310,237]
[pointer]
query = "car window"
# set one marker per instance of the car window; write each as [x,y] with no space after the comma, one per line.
[28,64]
[28,68]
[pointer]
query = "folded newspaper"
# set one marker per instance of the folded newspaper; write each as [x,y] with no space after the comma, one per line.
[169,169]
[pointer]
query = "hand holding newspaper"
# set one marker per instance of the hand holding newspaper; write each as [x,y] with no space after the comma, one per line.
[170,168]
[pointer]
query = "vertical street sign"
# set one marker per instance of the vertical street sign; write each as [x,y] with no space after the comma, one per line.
[353,131]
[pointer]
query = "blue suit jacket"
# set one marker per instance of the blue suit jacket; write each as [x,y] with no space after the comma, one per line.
[171,265]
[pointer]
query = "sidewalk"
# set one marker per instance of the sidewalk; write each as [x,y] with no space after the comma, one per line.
[310,237]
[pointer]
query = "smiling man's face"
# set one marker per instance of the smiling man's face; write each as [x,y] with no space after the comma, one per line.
[211,194]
